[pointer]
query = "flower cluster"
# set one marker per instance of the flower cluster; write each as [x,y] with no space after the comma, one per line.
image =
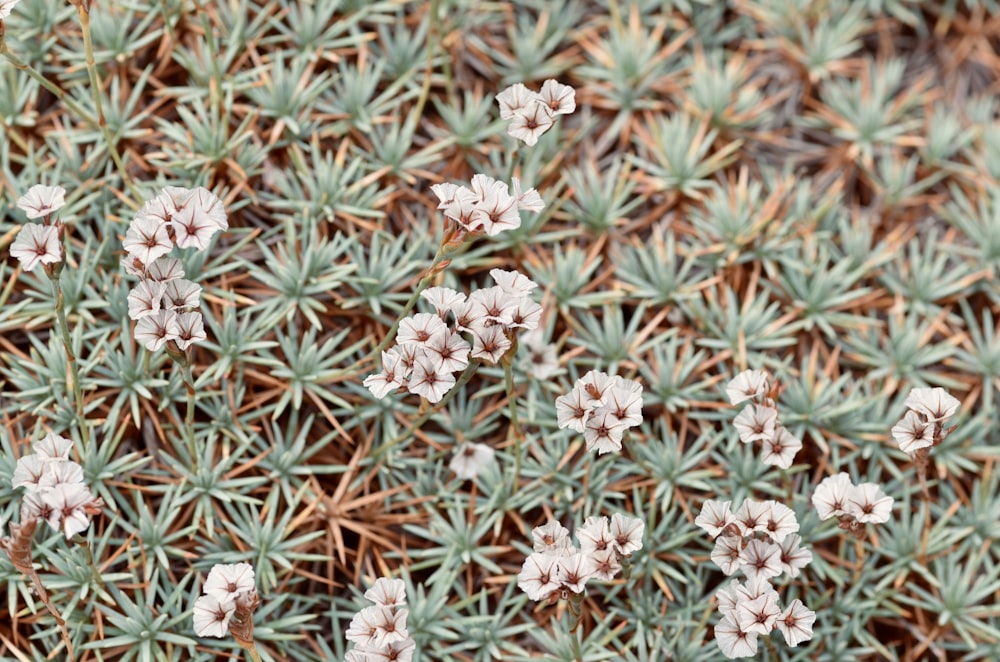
[164,305]
[379,631]
[55,490]
[852,505]
[602,407]
[39,243]
[428,351]
[758,421]
[557,567]
[922,427]
[487,206]
[760,540]
[533,113]
[228,602]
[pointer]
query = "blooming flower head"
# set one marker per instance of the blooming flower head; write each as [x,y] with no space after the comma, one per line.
[935,403]
[558,98]
[795,623]
[145,299]
[530,122]
[212,615]
[147,239]
[780,449]
[40,200]
[191,329]
[154,330]
[229,580]
[715,516]
[831,496]
[868,504]
[36,244]
[913,432]
[539,575]
[470,459]
[747,385]
[756,422]
[387,592]
[734,641]
[515,98]
[552,538]
[627,533]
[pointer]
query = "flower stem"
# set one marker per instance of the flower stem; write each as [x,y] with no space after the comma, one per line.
[74,370]
[44,597]
[412,301]
[515,427]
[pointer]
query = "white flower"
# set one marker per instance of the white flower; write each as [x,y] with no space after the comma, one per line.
[753,516]
[527,314]
[574,409]
[165,269]
[624,402]
[420,328]
[514,98]
[36,244]
[760,559]
[391,377]
[227,580]
[733,641]
[530,122]
[758,615]
[513,283]
[780,521]
[538,575]
[443,299]
[726,553]
[450,349]
[574,570]
[595,535]
[180,293]
[756,422]
[470,459]
[427,382]
[542,361]
[605,563]
[727,596]
[155,330]
[780,450]
[395,651]
[62,472]
[935,403]
[147,239]
[378,626]
[145,299]
[746,385]
[912,432]
[552,538]
[461,207]
[52,447]
[795,623]
[868,504]
[793,558]
[193,226]
[496,209]
[40,200]
[191,329]
[603,432]
[715,516]
[831,496]
[6,6]
[29,471]
[528,200]
[212,615]
[489,343]
[387,592]
[627,533]
[445,192]
[560,99]
[70,503]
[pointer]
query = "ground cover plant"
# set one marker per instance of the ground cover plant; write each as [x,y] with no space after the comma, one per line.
[565,330]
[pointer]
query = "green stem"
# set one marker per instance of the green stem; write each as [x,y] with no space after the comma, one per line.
[515,427]
[412,301]
[462,380]
[74,370]
[181,359]
[95,84]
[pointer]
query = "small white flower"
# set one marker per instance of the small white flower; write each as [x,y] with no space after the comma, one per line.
[36,243]
[420,328]
[538,575]
[733,641]
[40,200]
[780,450]
[451,351]
[496,210]
[560,99]
[444,299]
[445,192]
[758,615]
[427,382]
[153,331]
[605,563]
[869,504]
[180,293]
[378,626]
[513,283]
[753,516]
[396,651]
[191,329]
[527,314]
[192,228]
[145,299]
[935,403]
[391,377]
[715,516]
[69,503]
[831,496]
[793,558]
[6,6]
[627,533]
[913,432]
[147,239]
[603,432]
[574,570]
[62,472]
[541,361]
[726,553]
[165,269]
[624,403]
[795,623]
[530,122]
[727,596]
[462,207]
[760,559]
[227,580]
[595,535]
[594,384]
[746,385]
[552,538]
[29,472]
[574,409]
[528,200]
[756,422]
[470,459]
[387,592]
[780,521]
[489,343]
[212,615]
[514,98]
[52,447]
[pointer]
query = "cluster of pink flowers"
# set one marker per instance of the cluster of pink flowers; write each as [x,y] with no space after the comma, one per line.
[558,568]
[40,243]
[601,407]
[758,420]
[228,601]
[379,631]
[922,427]
[852,505]
[487,206]
[428,351]
[760,540]
[533,113]
[164,304]
[55,489]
